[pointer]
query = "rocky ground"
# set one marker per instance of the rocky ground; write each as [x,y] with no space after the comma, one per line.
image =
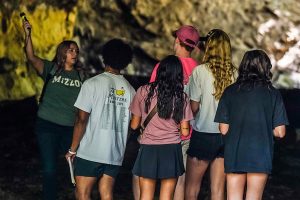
[20,173]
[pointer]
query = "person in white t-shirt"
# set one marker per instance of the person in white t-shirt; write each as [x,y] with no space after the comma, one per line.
[205,87]
[101,126]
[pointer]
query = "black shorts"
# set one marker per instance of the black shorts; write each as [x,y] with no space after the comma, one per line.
[88,168]
[206,146]
[159,161]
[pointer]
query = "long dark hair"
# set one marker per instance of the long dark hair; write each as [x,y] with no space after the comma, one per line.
[61,55]
[168,86]
[254,70]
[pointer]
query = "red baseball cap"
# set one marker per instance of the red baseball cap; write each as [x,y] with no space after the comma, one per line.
[188,35]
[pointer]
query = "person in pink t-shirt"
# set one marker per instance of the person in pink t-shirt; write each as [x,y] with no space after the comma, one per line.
[186,40]
[160,154]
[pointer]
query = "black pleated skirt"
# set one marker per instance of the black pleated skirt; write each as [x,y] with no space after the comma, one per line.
[159,161]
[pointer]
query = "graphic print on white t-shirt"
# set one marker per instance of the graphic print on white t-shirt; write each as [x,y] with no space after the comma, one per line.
[116,105]
[107,98]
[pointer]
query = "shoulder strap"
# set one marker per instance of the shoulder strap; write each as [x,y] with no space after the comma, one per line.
[53,70]
[48,77]
[149,117]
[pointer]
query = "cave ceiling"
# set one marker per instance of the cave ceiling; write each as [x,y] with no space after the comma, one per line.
[272,25]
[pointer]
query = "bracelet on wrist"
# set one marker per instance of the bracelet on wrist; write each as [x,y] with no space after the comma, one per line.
[72,152]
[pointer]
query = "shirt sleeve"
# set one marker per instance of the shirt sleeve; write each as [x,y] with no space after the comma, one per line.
[85,98]
[48,65]
[279,115]
[153,75]
[222,114]
[193,88]
[135,106]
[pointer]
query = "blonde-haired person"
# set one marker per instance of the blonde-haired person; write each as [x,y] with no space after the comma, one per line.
[205,88]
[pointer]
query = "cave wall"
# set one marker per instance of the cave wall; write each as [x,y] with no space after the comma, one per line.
[272,25]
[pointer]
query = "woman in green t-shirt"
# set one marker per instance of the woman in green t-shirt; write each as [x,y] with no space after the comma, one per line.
[56,114]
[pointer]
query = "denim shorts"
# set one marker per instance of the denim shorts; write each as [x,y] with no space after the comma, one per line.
[206,146]
[88,168]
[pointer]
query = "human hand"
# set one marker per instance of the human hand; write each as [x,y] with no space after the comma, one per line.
[26,27]
[70,154]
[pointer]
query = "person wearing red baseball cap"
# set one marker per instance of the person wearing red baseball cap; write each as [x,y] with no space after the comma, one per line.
[186,40]
[188,35]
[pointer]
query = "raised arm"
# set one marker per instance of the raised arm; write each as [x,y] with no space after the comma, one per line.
[34,60]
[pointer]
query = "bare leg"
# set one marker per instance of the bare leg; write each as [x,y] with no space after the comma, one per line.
[195,170]
[136,187]
[105,187]
[217,179]
[235,186]
[255,185]
[147,188]
[84,186]
[167,188]
[179,190]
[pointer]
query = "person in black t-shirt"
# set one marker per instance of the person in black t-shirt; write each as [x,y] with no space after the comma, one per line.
[250,112]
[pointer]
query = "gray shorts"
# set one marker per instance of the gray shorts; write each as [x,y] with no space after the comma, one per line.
[88,168]
[184,146]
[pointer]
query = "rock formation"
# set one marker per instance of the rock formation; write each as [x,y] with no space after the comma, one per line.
[272,25]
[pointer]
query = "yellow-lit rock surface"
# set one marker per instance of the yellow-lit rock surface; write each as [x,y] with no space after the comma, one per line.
[50,26]
[147,25]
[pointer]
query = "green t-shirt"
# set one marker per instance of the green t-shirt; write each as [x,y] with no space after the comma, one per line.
[60,95]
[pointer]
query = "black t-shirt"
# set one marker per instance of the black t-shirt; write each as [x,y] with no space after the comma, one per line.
[252,114]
